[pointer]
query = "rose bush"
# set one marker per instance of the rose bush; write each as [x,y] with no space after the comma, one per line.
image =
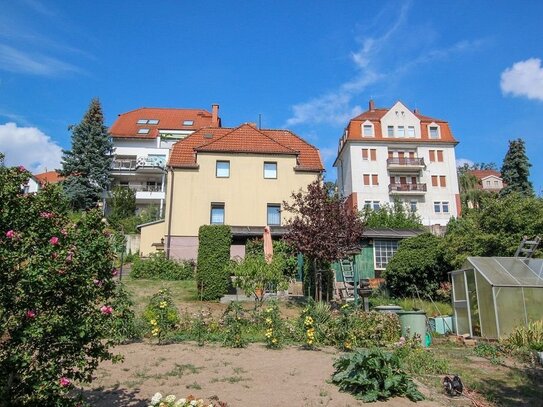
[56,294]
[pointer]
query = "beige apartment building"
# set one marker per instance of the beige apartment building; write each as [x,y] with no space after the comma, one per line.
[234,176]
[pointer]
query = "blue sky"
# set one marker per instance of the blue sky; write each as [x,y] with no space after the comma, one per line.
[305,65]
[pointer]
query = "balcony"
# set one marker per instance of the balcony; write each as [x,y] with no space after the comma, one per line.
[142,162]
[407,164]
[145,192]
[407,189]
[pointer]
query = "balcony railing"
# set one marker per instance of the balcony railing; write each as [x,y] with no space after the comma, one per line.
[140,162]
[405,161]
[142,188]
[407,188]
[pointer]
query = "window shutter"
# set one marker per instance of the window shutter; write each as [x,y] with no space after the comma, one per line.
[440,156]
[366,179]
[364,153]
[373,154]
[374,179]
[434,180]
[432,156]
[442,181]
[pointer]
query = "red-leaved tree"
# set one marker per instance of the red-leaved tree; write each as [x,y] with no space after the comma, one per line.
[323,228]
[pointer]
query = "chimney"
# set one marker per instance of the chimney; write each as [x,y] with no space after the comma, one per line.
[416,111]
[215,121]
[372,105]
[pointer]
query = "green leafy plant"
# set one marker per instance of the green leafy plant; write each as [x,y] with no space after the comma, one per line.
[253,274]
[529,337]
[255,247]
[233,320]
[212,275]
[56,296]
[123,325]
[372,375]
[158,267]
[490,351]
[418,360]
[161,315]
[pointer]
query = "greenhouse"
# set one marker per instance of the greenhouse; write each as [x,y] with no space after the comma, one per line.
[493,295]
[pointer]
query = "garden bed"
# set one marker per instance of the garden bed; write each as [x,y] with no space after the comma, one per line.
[252,376]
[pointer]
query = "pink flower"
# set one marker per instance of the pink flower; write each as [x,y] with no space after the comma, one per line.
[114,272]
[64,382]
[63,231]
[31,314]
[21,168]
[106,309]
[97,282]
[10,234]
[53,240]
[46,215]
[69,257]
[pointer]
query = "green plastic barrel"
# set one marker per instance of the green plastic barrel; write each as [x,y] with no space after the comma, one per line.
[413,323]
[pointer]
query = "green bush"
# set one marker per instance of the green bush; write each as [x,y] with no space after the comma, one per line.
[234,322]
[418,360]
[56,295]
[213,256]
[527,337]
[158,267]
[161,315]
[372,375]
[418,267]
[123,325]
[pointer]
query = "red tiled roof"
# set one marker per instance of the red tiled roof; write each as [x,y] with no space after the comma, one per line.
[168,119]
[49,177]
[480,174]
[355,129]
[245,139]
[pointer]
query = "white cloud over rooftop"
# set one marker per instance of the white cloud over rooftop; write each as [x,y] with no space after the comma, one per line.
[524,79]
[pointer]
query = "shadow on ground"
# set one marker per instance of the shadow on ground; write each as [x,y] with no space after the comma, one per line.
[520,387]
[115,397]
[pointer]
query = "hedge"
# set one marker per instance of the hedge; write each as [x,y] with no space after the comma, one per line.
[213,257]
[158,267]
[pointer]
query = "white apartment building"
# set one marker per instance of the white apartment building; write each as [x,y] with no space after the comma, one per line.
[398,154]
[142,140]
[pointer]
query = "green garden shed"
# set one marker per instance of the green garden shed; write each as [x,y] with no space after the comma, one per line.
[493,295]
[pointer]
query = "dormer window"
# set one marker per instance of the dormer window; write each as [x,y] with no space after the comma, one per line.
[367,129]
[433,131]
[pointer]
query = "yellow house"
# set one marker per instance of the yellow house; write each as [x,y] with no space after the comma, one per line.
[234,176]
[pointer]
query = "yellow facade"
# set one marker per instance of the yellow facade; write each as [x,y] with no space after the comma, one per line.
[150,234]
[245,193]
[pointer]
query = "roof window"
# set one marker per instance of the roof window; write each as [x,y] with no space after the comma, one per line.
[142,121]
[152,121]
[143,131]
[188,122]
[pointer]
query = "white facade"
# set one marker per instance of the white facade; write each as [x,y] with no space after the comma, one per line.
[419,172]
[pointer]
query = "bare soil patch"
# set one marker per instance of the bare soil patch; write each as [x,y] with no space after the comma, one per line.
[253,376]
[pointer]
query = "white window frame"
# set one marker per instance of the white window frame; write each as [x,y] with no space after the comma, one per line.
[411,129]
[389,252]
[188,122]
[273,206]
[220,172]
[265,170]
[430,126]
[217,205]
[390,131]
[401,132]
[368,124]
[144,130]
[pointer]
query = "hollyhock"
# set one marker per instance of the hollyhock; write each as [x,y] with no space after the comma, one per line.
[53,240]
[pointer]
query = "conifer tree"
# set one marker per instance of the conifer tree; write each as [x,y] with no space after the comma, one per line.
[86,166]
[516,170]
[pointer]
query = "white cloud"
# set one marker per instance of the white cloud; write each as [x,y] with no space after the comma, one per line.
[30,147]
[461,161]
[373,63]
[524,78]
[17,61]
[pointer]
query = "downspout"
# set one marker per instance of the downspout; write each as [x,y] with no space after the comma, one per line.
[169,237]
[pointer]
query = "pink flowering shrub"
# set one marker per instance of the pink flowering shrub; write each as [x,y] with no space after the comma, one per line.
[54,318]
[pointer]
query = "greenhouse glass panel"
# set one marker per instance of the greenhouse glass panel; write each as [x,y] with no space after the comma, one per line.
[486,307]
[473,306]
[533,298]
[510,309]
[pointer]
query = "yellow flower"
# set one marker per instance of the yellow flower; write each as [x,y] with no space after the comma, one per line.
[153,322]
[269,321]
[274,340]
[163,304]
